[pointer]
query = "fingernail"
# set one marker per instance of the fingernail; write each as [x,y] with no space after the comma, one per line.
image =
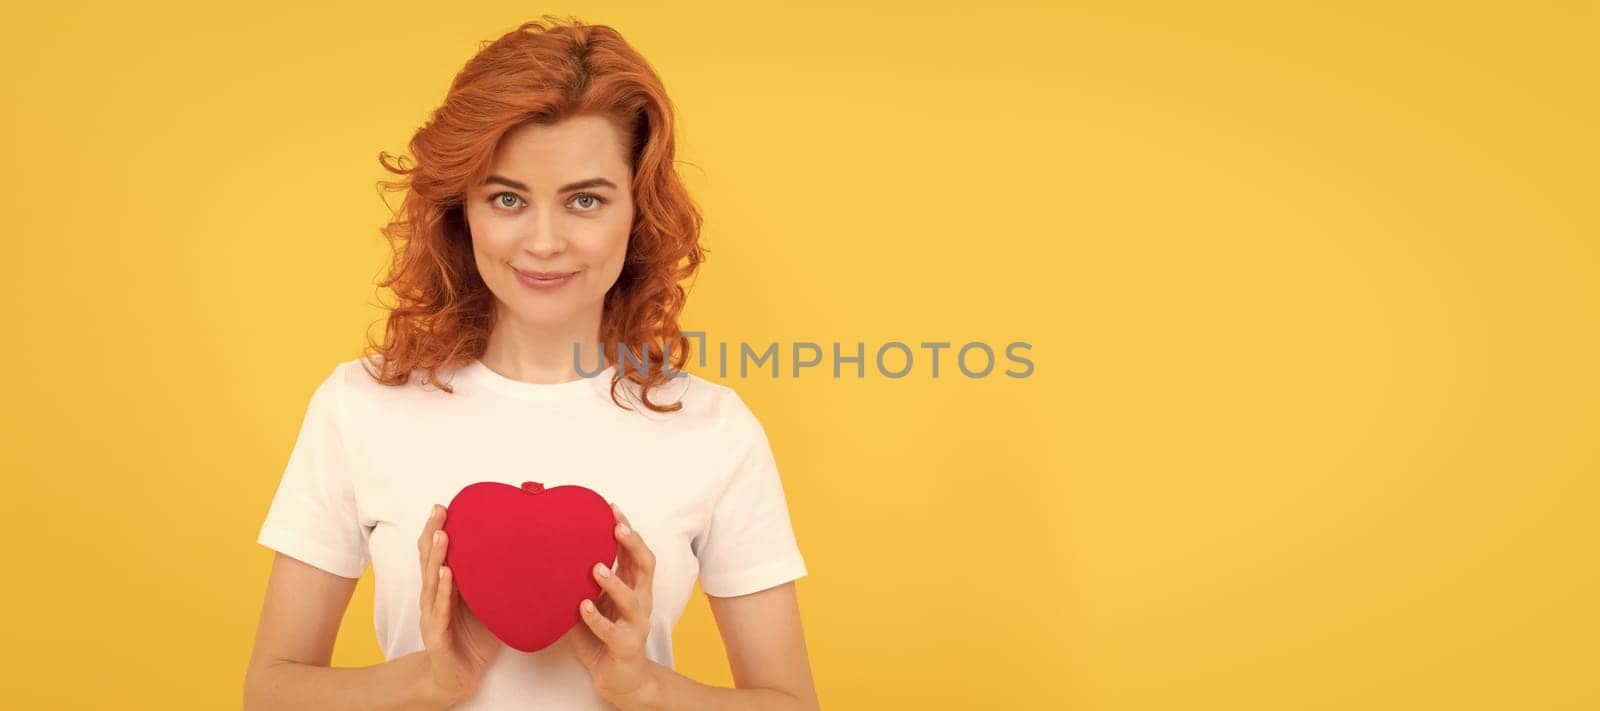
[602,570]
[437,535]
[622,529]
[441,572]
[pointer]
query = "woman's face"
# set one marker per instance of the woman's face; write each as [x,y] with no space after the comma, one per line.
[557,202]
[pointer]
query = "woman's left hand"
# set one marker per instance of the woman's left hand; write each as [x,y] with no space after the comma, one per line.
[610,643]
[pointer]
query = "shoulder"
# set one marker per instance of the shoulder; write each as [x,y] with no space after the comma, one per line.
[738,426]
[705,406]
[358,378]
[703,399]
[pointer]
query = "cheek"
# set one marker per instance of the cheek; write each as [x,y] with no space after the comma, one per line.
[491,237]
[606,245]
[617,236]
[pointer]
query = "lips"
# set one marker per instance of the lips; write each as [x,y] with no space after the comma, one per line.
[548,276]
[548,282]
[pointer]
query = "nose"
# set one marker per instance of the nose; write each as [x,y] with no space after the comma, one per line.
[543,238]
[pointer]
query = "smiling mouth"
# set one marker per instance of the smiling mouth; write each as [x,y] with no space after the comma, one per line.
[543,276]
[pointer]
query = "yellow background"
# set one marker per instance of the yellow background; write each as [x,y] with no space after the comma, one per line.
[1311,293]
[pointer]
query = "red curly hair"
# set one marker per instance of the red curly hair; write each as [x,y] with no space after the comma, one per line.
[543,71]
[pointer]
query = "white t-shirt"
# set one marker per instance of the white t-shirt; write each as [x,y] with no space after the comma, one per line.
[700,485]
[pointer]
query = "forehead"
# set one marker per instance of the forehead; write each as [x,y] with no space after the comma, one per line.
[576,147]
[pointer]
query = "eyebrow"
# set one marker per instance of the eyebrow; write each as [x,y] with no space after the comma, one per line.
[590,183]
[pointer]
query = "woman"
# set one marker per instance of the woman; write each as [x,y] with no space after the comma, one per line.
[543,229]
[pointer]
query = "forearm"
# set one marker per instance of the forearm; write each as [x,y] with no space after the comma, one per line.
[671,691]
[400,684]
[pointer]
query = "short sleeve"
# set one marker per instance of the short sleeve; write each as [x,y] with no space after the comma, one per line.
[313,516]
[748,544]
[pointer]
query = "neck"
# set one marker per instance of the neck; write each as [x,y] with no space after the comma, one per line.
[543,353]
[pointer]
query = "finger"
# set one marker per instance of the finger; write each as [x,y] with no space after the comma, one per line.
[584,643]
[641,561]
[442,599]
[624,597]
[638,564]
[425,539]
[622,518]
[603,628]
[430,569]
[624,565]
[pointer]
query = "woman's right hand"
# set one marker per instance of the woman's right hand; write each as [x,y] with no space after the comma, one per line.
[459,647]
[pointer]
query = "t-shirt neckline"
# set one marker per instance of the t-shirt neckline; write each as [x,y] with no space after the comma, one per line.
[570,390]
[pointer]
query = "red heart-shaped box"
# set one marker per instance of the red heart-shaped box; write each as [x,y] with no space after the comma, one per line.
[523,558]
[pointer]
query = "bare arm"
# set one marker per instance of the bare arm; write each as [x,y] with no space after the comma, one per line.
[289,666]
[766,652]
